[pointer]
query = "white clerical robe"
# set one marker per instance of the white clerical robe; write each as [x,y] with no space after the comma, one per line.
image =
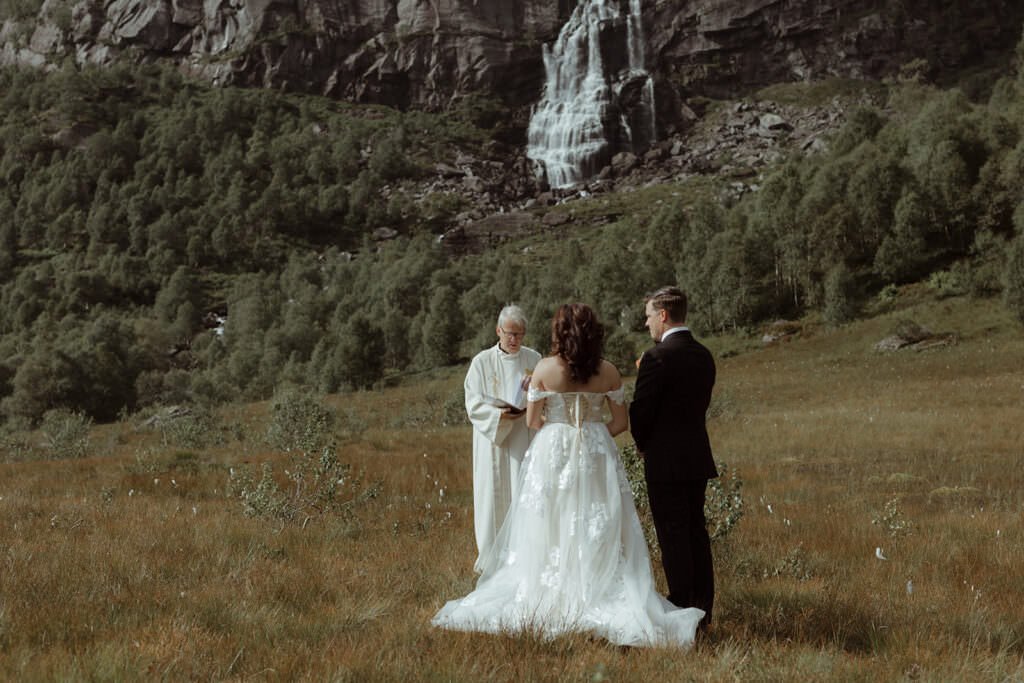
[498,445]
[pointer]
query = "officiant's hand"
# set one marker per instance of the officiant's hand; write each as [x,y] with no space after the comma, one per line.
[509,414]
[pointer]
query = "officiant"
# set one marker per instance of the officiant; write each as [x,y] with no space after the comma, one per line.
[496,387]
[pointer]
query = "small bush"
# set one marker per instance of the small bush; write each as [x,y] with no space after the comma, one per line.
[453,412]
[984,271]
[1013,278]
[792,565]
[152,459]
[314,486]
[197,428]
[723,507]
[840,296]
[946,283]
[891,519]
[299,421]
[431,410]
[888,295]
[14,448]
[419,414]
[66,433]
[723,405]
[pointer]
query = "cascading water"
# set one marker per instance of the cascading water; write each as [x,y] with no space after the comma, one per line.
[581,121]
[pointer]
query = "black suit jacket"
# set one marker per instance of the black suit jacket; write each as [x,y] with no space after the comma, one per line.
[667,415]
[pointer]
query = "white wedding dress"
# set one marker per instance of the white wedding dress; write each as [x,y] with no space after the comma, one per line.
[571,556]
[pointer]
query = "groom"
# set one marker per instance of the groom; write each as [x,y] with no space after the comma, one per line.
[673,390]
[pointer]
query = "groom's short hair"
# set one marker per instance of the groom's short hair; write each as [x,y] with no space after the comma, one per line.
[672,300]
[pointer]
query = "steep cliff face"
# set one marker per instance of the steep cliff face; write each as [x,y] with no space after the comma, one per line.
[397,52]
[427,52]
[719,46]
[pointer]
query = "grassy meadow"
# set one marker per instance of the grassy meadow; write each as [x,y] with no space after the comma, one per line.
[133,563]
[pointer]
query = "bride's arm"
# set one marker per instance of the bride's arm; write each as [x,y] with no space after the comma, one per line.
[535,414]
[535,409]
[620,418]
[620,413]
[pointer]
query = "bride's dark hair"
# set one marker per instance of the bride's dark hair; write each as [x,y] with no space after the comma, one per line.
[577,337]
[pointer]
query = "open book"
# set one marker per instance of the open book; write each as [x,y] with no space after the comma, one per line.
[503,404]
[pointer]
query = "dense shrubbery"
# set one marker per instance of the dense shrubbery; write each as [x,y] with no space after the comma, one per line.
[908,198]
[134,204]
[934,183]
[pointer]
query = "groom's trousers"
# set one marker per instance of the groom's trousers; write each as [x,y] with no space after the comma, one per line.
[678,511]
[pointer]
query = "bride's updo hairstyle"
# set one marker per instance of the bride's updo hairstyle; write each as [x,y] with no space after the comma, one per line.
[577,337]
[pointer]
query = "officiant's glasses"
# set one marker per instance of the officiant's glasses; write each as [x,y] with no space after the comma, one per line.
[512,335]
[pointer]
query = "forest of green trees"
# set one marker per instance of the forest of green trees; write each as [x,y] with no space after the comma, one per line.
[133,203]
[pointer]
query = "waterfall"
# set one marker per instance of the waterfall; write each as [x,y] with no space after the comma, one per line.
[581,121]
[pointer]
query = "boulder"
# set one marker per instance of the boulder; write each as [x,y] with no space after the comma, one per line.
[624,162]
[910,335]
[655,155]
[555,218]
[168,414]
[773,122]
[382,234]
[780,330]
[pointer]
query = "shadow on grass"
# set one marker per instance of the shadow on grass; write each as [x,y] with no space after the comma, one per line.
[816,619]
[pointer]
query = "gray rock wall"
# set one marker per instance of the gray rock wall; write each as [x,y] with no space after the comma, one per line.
[426,52]
[719,46]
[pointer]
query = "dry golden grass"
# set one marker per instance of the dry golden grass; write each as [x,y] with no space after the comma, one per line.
[132,564]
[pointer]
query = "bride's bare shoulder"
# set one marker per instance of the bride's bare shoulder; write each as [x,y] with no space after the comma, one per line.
[546,365]
[609,371]
[547,369]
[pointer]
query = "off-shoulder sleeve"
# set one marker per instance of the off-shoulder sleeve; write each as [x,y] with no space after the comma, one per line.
[617,395]
[535,394]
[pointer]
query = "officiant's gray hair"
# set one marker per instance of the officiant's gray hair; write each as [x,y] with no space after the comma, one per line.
[512,314]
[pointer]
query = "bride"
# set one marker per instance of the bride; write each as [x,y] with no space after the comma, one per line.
[570,556]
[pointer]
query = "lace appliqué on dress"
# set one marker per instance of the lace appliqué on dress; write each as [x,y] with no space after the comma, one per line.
[551,577]
[531,493]
[598,521]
